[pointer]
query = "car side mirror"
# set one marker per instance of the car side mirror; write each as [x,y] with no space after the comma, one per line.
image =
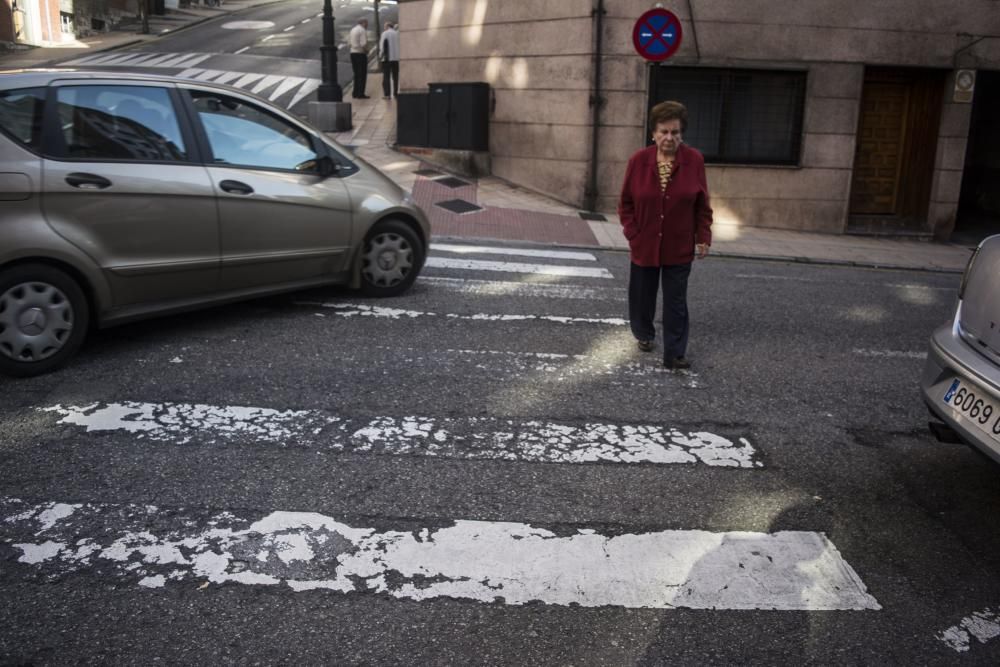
[326,167]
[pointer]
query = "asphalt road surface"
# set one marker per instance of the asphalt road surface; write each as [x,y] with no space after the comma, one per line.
[486,471]
[271,50]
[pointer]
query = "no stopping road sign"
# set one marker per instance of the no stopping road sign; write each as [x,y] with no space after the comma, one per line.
[657,34]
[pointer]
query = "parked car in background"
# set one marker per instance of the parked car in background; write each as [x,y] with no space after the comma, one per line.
[124,196]
[961,381]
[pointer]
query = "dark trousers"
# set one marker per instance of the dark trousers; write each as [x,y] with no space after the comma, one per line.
[643,283]
[390,68]
[359,63]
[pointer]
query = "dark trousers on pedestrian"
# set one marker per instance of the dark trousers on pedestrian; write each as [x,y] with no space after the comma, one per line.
[643,284]
[390,68]
[359,63]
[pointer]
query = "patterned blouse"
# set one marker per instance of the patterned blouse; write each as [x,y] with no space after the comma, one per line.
[665,169]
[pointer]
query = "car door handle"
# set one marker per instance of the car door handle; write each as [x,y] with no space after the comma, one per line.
[236,187]
[87,181]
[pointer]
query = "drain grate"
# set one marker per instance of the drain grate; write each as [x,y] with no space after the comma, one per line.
[451,182]
[459,206]
[593,216]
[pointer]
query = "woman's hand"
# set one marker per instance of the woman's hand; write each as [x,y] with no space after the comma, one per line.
[701,250]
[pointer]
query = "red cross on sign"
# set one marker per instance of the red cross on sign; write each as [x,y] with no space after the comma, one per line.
[657,35]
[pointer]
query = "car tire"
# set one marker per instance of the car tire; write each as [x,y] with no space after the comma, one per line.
[391,258]
[43,319]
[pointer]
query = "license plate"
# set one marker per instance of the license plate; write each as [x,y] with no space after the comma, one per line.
[975,406]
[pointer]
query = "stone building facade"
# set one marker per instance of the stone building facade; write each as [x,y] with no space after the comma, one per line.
[820,116]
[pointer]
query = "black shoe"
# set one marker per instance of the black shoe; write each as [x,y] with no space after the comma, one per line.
[362,97]
[645,345]
[677,364]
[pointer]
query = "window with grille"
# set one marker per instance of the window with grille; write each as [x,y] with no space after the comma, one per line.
[737,115]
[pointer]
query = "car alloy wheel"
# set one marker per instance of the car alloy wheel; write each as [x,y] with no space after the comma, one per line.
[391,258]
[43,315]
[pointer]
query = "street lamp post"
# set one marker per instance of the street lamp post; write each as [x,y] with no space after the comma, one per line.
[329,89]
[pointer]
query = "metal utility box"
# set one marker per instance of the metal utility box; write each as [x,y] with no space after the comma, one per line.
[458,116]
[411,119]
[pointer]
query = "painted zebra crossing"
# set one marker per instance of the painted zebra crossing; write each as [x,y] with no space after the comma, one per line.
[487,562]
[287,90]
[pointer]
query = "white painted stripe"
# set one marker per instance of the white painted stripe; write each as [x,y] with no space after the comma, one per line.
[144,59]
[190,73]
[461,438]
[983,625]
[266,83]
[305,20]
[513,288]
[890,354]
[268,37]
[158,60]
[291,27]
[86,60]
[484,561]
[517,267]
[123,59]
[246,80]
[192,60]
[238,51]
[362,310]
[98,60]
[228,76]
[176,60]
[209,75]
[288,84]
[308,87]
[525,252]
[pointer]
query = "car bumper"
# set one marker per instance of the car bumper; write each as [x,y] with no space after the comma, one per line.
[950,358]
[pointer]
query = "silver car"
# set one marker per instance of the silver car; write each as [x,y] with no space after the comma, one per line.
[125,196]
[961,381]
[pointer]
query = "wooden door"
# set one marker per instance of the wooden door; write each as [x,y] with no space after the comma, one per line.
[896,143]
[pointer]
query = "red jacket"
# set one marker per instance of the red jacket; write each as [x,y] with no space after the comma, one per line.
[662,227]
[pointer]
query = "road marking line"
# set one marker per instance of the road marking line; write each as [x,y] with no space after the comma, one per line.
[192,60]
[268,37]
[518,267]
[526,252]
[286,85]
[305,20]
[983,625]
[247,79]
[209,75]
[460,438]
[513,288]
[238,51]
[266,83]
[489,562]
[291,27]
[308,87]
[764,276]
[228,76]
[890,354]
[362,310]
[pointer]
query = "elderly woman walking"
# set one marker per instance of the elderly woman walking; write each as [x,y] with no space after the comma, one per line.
[666,217]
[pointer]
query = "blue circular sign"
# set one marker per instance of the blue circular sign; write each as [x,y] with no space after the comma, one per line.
[657,34]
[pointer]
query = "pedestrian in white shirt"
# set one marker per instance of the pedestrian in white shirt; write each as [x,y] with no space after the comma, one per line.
[388,48]
[358,41]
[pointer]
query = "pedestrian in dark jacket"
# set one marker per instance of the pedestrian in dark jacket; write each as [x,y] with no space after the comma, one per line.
[666,217]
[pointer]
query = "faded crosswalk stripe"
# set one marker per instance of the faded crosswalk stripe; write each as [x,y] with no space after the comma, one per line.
[523,252]
[484,561]
[514,288]
[363,310]
[280,86]
[460,438]
[518,267]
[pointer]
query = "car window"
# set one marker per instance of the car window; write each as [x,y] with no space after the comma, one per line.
[21,114]
[245,135]
[119,123]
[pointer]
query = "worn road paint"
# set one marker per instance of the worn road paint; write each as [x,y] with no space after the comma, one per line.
[512,288]
[364,310]
[890,354]
[461,438]
[482,561]
[983,625]
[518,267]
[824,281]
[523,252]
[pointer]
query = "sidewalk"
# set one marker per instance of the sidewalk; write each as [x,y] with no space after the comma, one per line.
[505,211]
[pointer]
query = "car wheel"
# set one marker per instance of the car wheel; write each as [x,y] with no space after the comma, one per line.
[43,319]
[391,259]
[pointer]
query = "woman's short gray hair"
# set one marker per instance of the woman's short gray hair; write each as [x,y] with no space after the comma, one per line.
[666,111]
